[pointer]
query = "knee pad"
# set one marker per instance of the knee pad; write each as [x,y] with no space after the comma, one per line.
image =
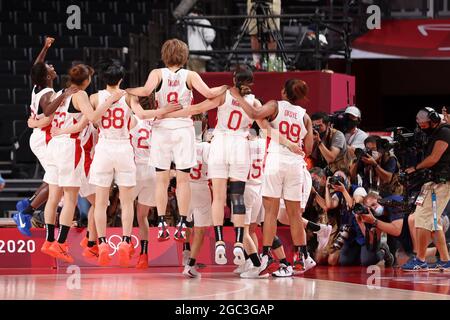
[276,243]
[237,189]
[160,170]
[188,170]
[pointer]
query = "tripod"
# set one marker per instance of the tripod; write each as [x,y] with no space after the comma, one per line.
[264,30]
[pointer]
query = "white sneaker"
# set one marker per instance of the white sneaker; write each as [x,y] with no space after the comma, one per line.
[220,257]
[309,263]
[191,272]
[283,271]
[257,272]
[239,258]
[243,267]
[323,235]
[186,255]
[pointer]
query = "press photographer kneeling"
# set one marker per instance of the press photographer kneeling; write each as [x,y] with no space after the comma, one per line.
[435,193]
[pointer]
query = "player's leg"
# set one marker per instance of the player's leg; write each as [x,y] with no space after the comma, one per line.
[126,249]
[183,200]
[162,183]
[142,218]
[54,197]
[101,204]
[298,234]
[199,235]
[91,250]
[60,247]
[218,203]
[237,189]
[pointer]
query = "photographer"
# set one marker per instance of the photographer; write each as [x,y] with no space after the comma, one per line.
[394,222]
[378,167]
[435,193]
[354,136]
[362,246]
[329,149]
[338,202]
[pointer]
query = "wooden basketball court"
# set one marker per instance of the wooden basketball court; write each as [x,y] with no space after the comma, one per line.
[321,283]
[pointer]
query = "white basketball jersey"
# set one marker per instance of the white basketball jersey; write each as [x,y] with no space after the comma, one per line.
[199,173]
[37,113]
[257,154]
[174,88]
[140,140]
[67,116]
[231,118]
[289,122]
[115,123]
[88,139]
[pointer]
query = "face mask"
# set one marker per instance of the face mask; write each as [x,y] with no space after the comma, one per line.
[351,124]
[428,131]
[379,211]
[322,134]
[375,155]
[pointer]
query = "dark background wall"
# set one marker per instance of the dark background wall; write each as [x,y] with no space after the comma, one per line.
[391,91]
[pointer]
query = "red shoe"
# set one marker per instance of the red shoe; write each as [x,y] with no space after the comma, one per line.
[273,266]
[45,248]
[142,262]
[103,254]
[132,250]
[299,264]
[61,251]
[124,254]
[91,252]
[84,242]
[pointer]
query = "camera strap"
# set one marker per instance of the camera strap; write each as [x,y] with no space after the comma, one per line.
[434,208]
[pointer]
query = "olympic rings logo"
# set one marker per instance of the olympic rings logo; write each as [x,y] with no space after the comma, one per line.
[115,245]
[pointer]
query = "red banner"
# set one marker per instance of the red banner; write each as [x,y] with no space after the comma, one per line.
[328,92]
[422,38]
[17,251]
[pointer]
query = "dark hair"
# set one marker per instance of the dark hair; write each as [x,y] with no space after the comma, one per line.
[372,139]
[318,171]
[39,74]
[111,71]
[295,89]
[79,73]
[321,115]
[242,76]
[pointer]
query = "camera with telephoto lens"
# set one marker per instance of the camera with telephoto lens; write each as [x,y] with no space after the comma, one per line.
[343,235]
[360,209]
[336,180]
[359,153]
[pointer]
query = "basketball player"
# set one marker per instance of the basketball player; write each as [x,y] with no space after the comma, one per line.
[253,205]
[114,159]
[65,159]
[200,212]
[229,159]
[173,140]
[88,139]
[145,181]
[44,102]
[285,171]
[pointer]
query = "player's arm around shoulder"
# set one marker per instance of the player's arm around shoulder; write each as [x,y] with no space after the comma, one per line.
[309,136]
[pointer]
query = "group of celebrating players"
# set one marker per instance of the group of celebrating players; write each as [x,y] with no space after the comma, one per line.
[86,143]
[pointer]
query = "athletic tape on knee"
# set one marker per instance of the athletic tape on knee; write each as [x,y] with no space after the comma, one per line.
[237,189]
[276,243]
